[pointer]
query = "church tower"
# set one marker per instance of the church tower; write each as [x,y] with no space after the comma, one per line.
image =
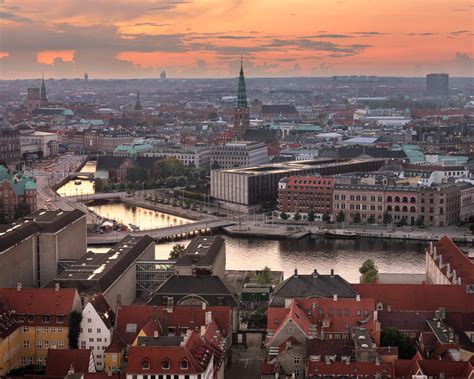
[44,98]
[242,111]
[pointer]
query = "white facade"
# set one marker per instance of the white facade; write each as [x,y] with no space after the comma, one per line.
[197,156]
[37,141]
[240,154]
[94,335]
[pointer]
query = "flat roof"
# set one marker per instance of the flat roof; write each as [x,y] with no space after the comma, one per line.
[202,251]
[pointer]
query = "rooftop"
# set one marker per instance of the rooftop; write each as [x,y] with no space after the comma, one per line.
[202,251]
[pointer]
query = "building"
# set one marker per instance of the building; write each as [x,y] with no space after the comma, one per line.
[301,194]
[36,144]
[383,117]
[66,362]
[43,318]
[19,194]
[113,274]
[466,203]
[36,97]
[246,189]
[132,149]
[203,256]
[239,154]
[35,245]
[437,84]
[197,156]
[440,205]
[105,140]
[9,143]
[242,110]
[10,342]
[96,329]
[446,263]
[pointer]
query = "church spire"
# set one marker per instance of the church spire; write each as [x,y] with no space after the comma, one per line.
[138,105]
[43,90]
[242,93]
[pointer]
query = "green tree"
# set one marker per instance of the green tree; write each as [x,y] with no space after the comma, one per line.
[75,319]
[136,174]
[357,218]
[264,276]
[402,222]
[171,182]
[167,167]
[181,181]
[284,216]
[22,209]
[341,216]
[177,251]
[393,337]
[387,218]
[371,219]
[326,217]
[99,185]
[311,216]
[297,216]
[369,271]
[419,221]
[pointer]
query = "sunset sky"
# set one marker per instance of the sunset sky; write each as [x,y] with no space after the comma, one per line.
[205,38]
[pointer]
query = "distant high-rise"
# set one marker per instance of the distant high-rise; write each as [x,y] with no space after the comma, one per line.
[242,111]
[437,84]
[163,75]
[138,106]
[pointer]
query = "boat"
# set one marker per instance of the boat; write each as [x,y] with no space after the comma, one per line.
[77,182]
[134,228]
[340,234]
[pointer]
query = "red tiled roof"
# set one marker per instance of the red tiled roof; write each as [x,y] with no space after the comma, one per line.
[103,309]
[40,301]
[422,297]
[356,368]
[59,361]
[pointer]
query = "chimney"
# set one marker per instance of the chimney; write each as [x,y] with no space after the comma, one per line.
[119,301]
[315,273]
[358,297]
[335,297]
[202,330]
[56,287]
[296,272]
[203,306]
[377,360]
[332,273]
[389,349]
[155,333]
[18,286]
[208,318]
[389,308]
[71,369]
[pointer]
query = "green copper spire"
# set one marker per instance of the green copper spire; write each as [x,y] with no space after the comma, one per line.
[242,93]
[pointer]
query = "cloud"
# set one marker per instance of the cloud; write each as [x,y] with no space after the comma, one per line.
[458,32]
[13,17]
[464,64]
[370,33]
[422,34]
[335,36]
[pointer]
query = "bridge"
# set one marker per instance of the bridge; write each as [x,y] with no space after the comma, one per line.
[89,175]
[96,196]
[169,233]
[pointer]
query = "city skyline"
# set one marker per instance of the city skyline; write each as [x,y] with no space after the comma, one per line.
[206,38]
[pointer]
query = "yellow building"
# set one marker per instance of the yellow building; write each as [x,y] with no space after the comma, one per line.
[9,340]
[42,317]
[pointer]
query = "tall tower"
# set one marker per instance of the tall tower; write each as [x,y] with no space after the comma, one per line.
[242,111]
[44,98]
[138,105]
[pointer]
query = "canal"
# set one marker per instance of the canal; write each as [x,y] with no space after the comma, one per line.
[305,255]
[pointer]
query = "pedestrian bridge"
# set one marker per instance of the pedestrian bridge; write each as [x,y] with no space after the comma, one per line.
[170,233]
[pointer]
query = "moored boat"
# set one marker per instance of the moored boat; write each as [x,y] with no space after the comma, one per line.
[340,234]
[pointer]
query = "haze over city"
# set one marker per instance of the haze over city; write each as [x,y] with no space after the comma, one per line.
[205,38]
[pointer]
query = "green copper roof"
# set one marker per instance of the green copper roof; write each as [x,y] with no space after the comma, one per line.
[18,181]
[242,93]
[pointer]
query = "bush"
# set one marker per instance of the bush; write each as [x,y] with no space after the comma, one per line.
[297,217]
[311,216]
[75,319]
[284,216]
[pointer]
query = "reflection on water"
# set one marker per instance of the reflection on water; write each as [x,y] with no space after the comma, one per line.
[144,218]
[344,256]
[79,186]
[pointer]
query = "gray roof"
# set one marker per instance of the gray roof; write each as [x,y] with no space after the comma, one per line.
[307,286]
[202,251]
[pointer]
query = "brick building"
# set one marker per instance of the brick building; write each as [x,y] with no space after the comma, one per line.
[440,205]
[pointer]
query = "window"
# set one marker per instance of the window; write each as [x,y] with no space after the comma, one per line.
[60,329]
[38,329]
[99,339]
[98,330]
[60,319]
[89,330]
[165,364]
[46,318]
[358,312]
[83,345]
[39,344]
[146,364]
[26,344]
[31,318]
[297,360]
[60,344]
[46,329]
[184,364]
[89,320]
[26,329]
[91,339]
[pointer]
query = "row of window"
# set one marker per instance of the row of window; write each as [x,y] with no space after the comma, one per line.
[165,364]
[46,318]
[339,312]
[45,344]
[44,329]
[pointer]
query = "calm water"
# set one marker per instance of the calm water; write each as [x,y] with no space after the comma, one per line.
[345,257]
[85,187]
[144,218]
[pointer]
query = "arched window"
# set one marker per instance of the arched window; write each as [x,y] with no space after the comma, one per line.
[184,364]
[389,199]
[413,200]
[389,208]
[145,364]
[397,199]
[405,199]
[397,208]
[405,208]
[412,209]
[165,364]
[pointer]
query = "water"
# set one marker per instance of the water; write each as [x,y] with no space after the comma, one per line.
[144,218]
[344,256]
[86,187]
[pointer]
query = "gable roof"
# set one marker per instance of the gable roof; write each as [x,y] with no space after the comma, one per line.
[59,361]
[103,309]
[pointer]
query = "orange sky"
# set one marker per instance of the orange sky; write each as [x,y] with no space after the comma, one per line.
[204,38]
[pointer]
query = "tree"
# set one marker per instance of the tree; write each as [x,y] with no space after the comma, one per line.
[471,227]
[136,174]
[369,271]
[167,167]
[171,182]
[99,185]
[387,218]
[297,216]
[264,276]
[357,218]
[326,217]
[341,216]
[419,221]
[371,219]
[75,319]
[402,222]
[177,251]
[22,209]
[215,165]
[311,216]
[284,216]
[393,337]
[181,181]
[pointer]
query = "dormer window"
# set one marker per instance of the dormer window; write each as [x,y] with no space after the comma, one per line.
[145,364]
[46,318]
[165,364]
[183,364]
